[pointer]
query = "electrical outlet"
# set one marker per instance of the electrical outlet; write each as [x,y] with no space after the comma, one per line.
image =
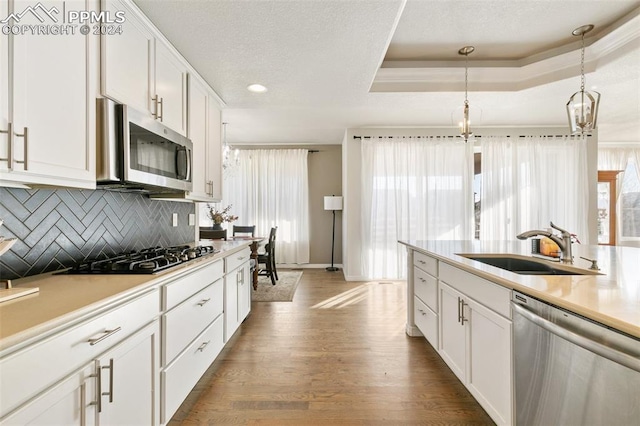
[174,219]
[192,219]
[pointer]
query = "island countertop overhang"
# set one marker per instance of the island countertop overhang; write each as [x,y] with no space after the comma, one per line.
[611,298]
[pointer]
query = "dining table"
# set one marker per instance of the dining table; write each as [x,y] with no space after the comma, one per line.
[255,242]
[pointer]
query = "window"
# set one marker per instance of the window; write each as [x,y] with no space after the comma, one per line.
[630,203]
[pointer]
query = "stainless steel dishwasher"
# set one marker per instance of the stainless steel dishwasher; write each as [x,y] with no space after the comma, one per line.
[570,370]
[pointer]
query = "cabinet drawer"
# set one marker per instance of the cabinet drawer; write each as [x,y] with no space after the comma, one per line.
[491,295]
[236,259]
[36,367]
[426,263]
[426,321]
[426,288]
[177,291]
[180,376]
[183,323]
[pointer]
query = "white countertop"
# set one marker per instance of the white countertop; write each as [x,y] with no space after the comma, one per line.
[611,298]
[65,299]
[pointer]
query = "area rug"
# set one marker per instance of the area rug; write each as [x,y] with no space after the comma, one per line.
[283,291]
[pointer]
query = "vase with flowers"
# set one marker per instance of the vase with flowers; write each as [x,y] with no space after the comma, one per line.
[220,216]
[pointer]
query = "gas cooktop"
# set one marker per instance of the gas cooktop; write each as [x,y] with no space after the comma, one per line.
[146,261]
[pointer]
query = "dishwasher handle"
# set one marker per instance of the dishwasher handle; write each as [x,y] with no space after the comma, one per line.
[577,339]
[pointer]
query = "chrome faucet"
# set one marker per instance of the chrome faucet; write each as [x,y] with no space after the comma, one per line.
[564,243]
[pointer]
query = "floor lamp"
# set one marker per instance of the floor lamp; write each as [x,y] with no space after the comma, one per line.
[333,203]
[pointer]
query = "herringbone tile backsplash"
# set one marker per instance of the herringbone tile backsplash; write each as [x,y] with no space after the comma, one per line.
[58,228]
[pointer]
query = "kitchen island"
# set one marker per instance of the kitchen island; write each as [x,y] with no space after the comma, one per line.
[463,308]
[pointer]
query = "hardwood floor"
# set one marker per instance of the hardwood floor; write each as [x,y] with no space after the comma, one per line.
[337,355]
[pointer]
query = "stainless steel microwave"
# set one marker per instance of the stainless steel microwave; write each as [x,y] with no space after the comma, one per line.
[137,152]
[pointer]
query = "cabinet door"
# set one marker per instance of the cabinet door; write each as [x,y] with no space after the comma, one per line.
[214,154]
[198,116]
[244,291]
[453,345]
[53,109]
[171,85]
[231,304]
[129,380]
[489,375]
[72,402]
[127,74]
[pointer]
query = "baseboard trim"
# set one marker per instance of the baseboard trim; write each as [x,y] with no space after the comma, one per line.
[306,265]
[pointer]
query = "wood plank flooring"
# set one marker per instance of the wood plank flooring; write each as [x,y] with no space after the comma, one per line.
[337,355]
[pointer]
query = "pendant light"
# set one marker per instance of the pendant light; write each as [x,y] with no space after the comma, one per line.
[582,107]
[465,130]
[229,157]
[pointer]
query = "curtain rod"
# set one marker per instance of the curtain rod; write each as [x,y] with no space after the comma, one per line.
[451,137]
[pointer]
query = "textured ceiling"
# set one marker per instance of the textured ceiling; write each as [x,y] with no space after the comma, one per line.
[319,59]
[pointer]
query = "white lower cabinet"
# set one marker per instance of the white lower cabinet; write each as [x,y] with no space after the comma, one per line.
[72,402]
[475,341]
[453,341]
[118,388]
[183,373]
[237,291]
[192,333]
[128,384]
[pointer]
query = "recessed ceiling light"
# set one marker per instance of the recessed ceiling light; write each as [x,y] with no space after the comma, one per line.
[256,88]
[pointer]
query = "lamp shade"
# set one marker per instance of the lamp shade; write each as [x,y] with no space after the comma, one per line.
[332,202]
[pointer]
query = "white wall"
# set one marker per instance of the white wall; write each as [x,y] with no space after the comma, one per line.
[351,183]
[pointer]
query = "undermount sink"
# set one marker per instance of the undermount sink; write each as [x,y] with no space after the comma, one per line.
[524,266]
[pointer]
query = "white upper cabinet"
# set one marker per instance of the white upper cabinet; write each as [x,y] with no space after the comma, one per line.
[198,116]
[47,102]
[204,132]
[140,70]
[170,89]
[214,153]
[127,59]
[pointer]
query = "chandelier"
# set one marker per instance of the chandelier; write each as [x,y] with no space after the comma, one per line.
[582,107]
[465,130]
[230,157]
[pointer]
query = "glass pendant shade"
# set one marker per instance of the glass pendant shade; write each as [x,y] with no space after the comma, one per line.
[582,108]
[465,124]
[465,129]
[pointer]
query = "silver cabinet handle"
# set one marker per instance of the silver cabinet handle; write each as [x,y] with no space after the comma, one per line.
[83,404]
[25,136]
[100,393]
[155,106]
[423,312]
[99,385]
[9,158]
[111,380]
[422,261]
[462,318]
[459,311]
[202,346]
[161,110]
[203,302]
[106,334]
[422,279]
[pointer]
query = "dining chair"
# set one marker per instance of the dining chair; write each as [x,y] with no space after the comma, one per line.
[212,234]
[268,258]
[244,230]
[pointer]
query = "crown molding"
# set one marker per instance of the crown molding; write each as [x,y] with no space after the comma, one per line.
[510,75]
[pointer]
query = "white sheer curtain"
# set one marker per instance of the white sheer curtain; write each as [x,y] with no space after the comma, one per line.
[269,187]
[528,182]
[412,189]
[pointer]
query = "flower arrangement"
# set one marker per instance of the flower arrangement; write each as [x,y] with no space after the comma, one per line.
[219,216]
